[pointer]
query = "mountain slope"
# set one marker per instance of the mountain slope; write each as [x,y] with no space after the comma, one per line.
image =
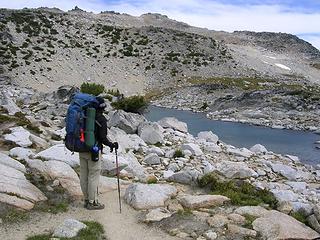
[45,48]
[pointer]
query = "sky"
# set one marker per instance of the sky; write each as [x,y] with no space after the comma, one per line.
[299,17]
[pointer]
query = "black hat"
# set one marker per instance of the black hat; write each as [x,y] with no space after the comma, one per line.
[101,101]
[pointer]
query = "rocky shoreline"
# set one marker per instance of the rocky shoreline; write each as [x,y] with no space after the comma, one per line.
[256,107]
[161,164]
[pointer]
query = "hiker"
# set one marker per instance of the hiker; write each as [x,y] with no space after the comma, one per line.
[90,162]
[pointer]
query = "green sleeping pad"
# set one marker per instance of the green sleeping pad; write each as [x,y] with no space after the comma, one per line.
[90,123]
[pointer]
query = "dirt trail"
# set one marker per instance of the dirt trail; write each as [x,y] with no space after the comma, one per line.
[124,226]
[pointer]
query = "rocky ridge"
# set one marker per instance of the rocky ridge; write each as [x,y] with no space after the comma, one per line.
[174,203]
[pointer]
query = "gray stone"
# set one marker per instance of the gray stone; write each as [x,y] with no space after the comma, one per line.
[128,122]
[167,174]
[211,148]
[193,148]
[297,186]
[274,225]
[284,170]
[305,208]
[68,229]
[170,122]
[156,215]
[148,196]
[217,221]
[316,210]
[126,141]
[151,133]
[8,103]
[313,222]
[19,136]
[237,218]
[56,170]
[242,152]
[235,230]
[285,195]
[21,153]
[126,161]
[16,202]
[187,176]
[8,161]
[238,170]
[258,148]
[210,235]
[202,201]
[255,211]
[14,183]
[155,150]
[152,159]
[208,136]
[39,142]
[60,153]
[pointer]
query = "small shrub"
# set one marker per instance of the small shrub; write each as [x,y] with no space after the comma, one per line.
[14,216]
[299,216]
[178,153]
[204,106]
[131,104]
[152,180]
[241,193]
[92,88]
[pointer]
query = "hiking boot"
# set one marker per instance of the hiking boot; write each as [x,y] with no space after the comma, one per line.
[86,202]
[95,206]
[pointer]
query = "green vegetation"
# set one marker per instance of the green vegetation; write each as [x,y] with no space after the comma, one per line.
[131,104]
[178,153]
[92,88]
[14,216]
[204,106]
[240,192]
[21,120]
[299,216]
[152,180]
[240,83]
[249,221]
[185,212]
[93,231]
[53,206]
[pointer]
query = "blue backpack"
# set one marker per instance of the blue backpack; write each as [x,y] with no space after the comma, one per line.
[75,121]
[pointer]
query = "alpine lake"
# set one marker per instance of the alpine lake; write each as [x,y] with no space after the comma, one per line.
[297,143]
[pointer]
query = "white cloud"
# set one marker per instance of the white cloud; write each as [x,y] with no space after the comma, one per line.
[203,13]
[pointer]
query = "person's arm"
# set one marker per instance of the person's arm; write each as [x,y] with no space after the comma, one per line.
[102,132]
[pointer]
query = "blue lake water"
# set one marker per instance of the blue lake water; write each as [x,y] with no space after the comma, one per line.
[298,143]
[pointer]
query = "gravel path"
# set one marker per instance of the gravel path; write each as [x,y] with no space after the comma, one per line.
[124,226]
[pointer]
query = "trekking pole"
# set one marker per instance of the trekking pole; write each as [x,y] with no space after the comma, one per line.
[118,173]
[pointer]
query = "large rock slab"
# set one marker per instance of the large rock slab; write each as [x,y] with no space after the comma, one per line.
[127,162]
[144,196]
[16,202]
[208,136]
[255,211]
[128,122]
[193,148]
[171,122]
[285,195]
[242,152]
[59,153]
[68,229]
[21,153]
[156,215]
[187,176]
[258,148]
[61,171]
[10,162]
[151,133]
[19,136]
[14,183]
[239,170]
[108,184]
[284,170]
[126,141]
[202,201]
[276,225]
[152,159]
